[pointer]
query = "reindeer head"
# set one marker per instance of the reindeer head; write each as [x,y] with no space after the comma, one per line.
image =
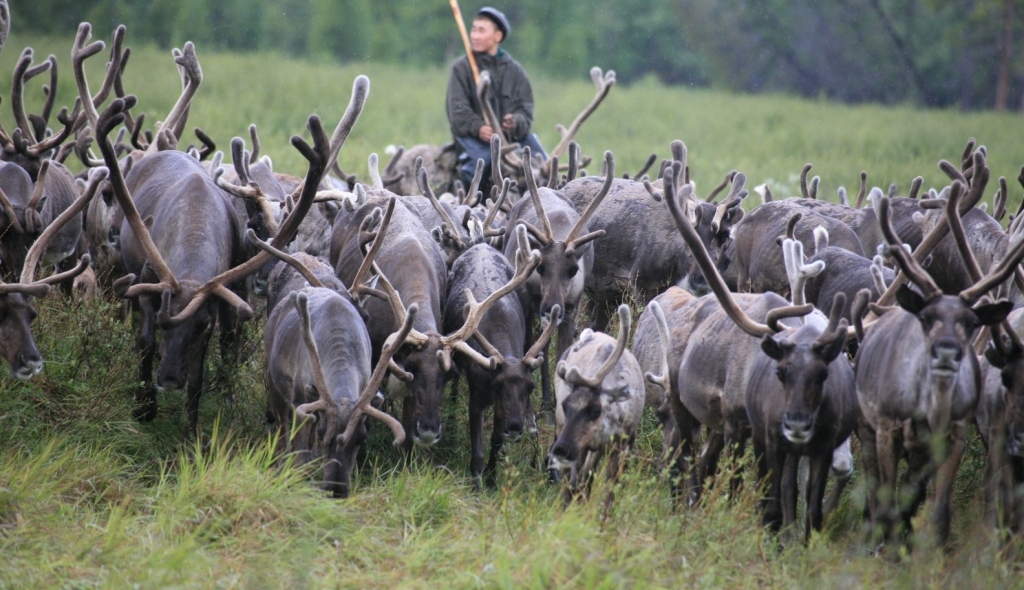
[590,416]
[802,356]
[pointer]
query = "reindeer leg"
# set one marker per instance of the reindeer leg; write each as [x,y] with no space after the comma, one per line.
[788,492]
[945,478]
[195,384]
[145,344]
[707,466]
[819,466]
[229,337]
[769,464]
[887,460]
[476,435]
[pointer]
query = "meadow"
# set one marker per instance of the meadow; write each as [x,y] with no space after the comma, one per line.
[88,497]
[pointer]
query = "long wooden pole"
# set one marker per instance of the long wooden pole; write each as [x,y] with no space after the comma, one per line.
[465,40]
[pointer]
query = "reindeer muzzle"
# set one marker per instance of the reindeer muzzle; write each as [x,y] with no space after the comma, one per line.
[798,427]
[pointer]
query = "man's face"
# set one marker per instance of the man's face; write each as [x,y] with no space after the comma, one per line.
[485,36]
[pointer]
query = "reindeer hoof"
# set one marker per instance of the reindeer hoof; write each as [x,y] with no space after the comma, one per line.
[145,409]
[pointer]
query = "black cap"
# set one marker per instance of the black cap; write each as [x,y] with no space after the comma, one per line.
[499,20]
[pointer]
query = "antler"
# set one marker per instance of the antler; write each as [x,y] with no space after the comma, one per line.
[27,284]
[33,222]
[662,378]
[571,240]
[249,189]
[284,257]
[707,266]
[603,83]
[324,401]
[474,314]
[736,196]
[907,263]
[490,231]
[12,217]
[573,374]
[391,346]
[450,230]
[79,53]
[797,271]
[545,236]
[534,357]
[357,286]
[718,189]
[192,76]
[112,117]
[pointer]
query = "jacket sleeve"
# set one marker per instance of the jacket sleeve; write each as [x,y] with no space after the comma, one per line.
[461,102]
[521,103]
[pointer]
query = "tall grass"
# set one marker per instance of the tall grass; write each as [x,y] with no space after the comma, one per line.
[88,497]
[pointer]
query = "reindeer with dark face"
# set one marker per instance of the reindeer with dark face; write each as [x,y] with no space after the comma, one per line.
[563,238]
[479,272]
[917,385]
[716,365]
[800,402]
[642,253]
[600,398]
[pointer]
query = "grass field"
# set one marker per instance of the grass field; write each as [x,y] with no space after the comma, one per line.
[89,497]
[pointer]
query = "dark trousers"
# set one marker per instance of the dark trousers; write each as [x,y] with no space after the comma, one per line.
[473,149]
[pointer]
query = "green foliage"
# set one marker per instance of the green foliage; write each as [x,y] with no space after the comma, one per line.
[889,51]
[89,497]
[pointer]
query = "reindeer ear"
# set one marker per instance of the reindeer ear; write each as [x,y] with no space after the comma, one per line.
[994,357]
[910,300]
[993,313]
[774,349]
[329,209]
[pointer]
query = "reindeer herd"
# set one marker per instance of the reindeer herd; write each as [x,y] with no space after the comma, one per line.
[900,327]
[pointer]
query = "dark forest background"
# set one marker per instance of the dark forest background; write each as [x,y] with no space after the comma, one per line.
[937,53]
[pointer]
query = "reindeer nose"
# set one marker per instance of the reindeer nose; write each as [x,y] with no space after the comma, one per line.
[513,431]
[29,365]
[427,434]
[946,355]
[562,452]
[797,427]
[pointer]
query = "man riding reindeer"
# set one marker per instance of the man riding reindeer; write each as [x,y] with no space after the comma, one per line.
[511,96]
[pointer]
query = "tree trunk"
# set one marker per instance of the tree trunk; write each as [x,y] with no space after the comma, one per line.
[1003,84]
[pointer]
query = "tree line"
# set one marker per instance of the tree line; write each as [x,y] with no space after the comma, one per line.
[936,53]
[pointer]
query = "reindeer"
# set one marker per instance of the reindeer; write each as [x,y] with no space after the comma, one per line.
[563,238]
[716,364]
[187,255]
[600,398]
[331,373]
[917,385]
[800,401]
[642,252]
[479,272]
[17,346]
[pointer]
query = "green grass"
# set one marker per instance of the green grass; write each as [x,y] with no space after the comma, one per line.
[88,497]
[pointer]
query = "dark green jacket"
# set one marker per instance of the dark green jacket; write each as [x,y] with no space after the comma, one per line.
[510,94]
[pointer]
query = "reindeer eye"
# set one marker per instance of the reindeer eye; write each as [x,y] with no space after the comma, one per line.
[823,376]
[541,270]
[573,270]
[594,411]
[780,372]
